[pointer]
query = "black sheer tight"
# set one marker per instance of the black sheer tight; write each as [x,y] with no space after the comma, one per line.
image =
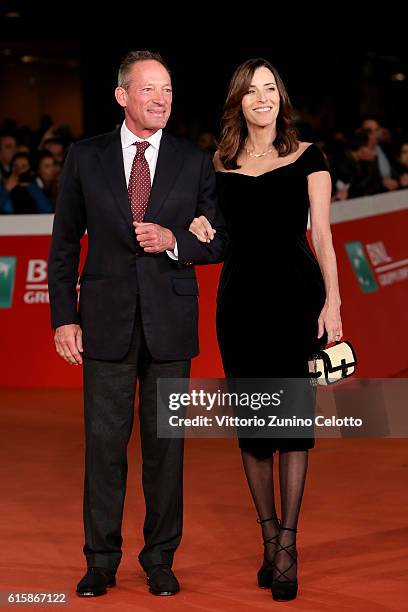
[292,477]
[259,473]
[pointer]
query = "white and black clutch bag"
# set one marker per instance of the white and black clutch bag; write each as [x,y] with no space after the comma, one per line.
[332,364]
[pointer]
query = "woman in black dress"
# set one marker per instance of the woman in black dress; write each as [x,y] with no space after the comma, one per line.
[277,303]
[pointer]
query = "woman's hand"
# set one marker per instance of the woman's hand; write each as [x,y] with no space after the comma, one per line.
[201,228]
[330,320]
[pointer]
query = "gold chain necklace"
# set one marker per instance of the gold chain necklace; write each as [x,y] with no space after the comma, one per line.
[251,154]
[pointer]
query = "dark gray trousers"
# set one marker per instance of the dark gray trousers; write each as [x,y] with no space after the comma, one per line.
[109,395]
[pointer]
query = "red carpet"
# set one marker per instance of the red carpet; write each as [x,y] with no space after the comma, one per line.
[353,531]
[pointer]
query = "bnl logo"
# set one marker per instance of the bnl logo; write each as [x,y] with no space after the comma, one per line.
[7,275]
[361,267]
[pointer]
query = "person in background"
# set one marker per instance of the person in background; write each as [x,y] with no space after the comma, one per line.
[387,173]
[56,148]
[356,173]
[402,163]
[47,175]
[20,193]
[8,149]
[206,142]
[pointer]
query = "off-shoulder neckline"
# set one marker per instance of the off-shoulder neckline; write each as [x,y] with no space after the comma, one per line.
[268,171]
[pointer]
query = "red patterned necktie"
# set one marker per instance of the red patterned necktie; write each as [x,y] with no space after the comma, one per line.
[139,182]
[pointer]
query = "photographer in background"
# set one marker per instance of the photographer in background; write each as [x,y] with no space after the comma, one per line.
[20,193]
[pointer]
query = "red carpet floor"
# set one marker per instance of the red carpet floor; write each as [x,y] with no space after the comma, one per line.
[353,532]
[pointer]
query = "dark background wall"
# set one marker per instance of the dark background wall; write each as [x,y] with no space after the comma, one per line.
[332,79]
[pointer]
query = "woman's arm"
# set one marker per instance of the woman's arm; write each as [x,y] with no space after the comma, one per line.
[319,187]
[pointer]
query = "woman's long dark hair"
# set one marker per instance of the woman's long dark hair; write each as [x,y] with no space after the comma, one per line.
[233,125]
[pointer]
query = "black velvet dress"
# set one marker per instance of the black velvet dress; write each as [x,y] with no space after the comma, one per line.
[271,289]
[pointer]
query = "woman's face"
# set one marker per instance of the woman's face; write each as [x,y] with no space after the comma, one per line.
[47,169]
[260,105]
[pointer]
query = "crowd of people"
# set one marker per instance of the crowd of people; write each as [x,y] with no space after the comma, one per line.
[370,160]
[30,167]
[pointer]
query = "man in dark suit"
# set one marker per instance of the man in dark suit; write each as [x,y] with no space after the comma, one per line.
[136,191]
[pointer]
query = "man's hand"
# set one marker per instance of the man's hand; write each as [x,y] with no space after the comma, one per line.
[390,184]
[341,195]
[154,238]
[68,343]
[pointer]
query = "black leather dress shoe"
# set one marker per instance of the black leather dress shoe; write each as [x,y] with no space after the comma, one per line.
[162,581]
[95,582]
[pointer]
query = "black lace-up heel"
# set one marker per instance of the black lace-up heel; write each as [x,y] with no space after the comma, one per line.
[265,572]
[283,588]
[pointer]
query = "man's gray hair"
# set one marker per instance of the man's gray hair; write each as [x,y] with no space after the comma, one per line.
[131,58]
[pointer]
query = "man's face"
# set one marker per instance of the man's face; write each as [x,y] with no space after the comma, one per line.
[366,154]
[147,100]
[374,129]
[8,148]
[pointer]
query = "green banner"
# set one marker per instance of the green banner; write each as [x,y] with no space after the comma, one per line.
[7,274]
[361,267]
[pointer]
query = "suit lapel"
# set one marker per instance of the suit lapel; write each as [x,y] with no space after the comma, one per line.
[111,158]
[169,164]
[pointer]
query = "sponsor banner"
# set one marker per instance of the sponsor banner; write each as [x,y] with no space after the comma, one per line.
[7,276]
[369,236]
[28,356]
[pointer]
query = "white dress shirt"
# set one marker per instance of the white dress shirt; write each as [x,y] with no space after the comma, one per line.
[151,154]
[384,165]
